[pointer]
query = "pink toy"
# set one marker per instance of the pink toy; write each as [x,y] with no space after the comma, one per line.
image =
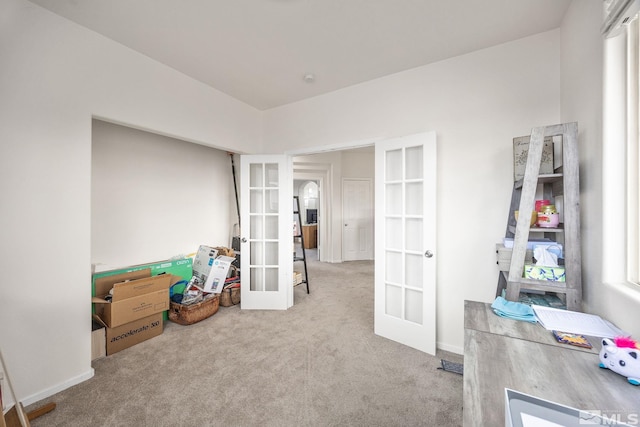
[622,356]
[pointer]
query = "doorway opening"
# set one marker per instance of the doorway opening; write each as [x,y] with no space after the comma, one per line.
[329,170]
[308,192]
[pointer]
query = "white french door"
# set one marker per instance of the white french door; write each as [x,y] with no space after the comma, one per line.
[266,242]
[405,240]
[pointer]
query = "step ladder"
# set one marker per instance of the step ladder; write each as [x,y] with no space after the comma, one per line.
[298,237]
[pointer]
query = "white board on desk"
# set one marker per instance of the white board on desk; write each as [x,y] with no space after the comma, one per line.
[524,410]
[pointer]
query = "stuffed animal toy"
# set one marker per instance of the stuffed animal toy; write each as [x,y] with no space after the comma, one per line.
[622,356]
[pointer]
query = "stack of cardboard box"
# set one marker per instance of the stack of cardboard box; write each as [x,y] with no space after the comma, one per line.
[130,306]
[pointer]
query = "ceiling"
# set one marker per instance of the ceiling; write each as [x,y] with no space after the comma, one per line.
[259,51]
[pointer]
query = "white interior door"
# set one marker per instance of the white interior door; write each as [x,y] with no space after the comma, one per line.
[405,239]
[266,241]
[357,220]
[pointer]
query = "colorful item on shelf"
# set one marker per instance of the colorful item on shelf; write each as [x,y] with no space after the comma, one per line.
[548,217]
[550,274]
[534,217]
[541,203]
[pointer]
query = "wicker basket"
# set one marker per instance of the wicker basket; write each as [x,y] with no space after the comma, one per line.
[190,314]
[229,297]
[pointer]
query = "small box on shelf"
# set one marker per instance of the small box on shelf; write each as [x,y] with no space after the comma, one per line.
[539,272]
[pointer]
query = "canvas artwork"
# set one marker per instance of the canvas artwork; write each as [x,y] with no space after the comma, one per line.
[520,152]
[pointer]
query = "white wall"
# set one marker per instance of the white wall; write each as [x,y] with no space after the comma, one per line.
[154,197]
[55,76]
[582,101]
[358,164]
[476,104]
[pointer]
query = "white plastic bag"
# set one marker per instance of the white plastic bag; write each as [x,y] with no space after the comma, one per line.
[544,257]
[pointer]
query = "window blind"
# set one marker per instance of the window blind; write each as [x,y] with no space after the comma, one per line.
[618,13]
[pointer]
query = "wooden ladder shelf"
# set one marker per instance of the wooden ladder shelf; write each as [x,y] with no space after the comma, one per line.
[563,186]
[16,415]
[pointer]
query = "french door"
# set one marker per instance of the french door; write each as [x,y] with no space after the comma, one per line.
[266,243]
[405,239]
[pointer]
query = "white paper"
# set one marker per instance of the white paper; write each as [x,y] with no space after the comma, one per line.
[532,421]
[218,274]
[555,319]
[508,243]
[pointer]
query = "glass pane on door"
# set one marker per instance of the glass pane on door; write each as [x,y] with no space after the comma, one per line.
[413,163]
[413,306]
[255,175]
[393,303]
[413,234]
[413,270]
[393,165]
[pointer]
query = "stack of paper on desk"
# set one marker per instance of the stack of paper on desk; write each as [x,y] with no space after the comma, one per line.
[555,319]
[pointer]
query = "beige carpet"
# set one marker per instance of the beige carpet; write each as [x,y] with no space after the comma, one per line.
[316,364]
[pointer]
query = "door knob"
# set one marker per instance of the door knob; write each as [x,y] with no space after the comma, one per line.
[244,240]
[428,254]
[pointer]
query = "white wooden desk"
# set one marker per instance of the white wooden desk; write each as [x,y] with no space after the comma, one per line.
[502,353]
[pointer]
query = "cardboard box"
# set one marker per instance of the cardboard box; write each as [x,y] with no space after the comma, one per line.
[132,299]
[203,261]
[218,274]
[98,341]
[178,267]
[127,335]
[297,278]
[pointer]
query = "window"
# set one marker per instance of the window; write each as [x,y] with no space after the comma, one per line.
[633,184]
[621,190]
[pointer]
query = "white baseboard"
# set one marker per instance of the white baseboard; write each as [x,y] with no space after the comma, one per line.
[450,348]
[58,388]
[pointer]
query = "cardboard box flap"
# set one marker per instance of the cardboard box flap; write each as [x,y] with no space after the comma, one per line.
[175,279]
[99,320]
[137,287]
[104,284]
